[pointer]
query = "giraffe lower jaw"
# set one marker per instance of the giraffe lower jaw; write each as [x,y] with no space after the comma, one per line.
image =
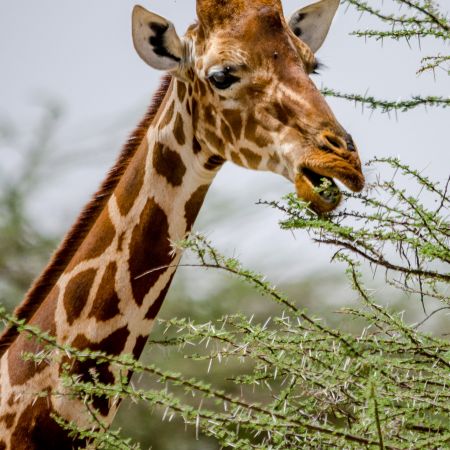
[320,191]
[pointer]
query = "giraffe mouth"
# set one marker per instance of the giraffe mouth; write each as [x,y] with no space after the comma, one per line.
[316,185]
[319,190]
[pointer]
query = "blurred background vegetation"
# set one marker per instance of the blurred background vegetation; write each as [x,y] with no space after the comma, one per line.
[24,248]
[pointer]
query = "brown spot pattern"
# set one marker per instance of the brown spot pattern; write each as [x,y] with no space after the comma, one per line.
[195,114]
[210,88]
[156,306]
[149,250]
[168,164]
[106,303]
[209,114]
[253,159]
[181,88]
[21,371]
[215,141]
[202,89]
[226,132]
[275,157]
[196,147]
[36,430]
[76,294]
[112,345]
[274,161]
[178,130]
[234,119]
[8,419]
[194,204]
[251,134]
[236,159]
[250,129]
[81,342]
[139,346]
[280,113]
[167,120]
[132,181]
[120,241]
[96,242]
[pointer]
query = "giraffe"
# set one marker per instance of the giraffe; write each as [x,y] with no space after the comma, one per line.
[237,89]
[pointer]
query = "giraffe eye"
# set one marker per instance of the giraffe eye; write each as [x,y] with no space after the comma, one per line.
[223,79]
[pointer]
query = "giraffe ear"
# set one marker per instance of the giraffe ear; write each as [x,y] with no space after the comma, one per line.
[312,23]
[156,40]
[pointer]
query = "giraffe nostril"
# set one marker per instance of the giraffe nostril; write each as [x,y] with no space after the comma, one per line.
[334,142]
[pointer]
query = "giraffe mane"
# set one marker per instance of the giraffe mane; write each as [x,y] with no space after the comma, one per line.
[67,249]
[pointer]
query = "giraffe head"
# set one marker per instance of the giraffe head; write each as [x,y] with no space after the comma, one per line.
[247,71]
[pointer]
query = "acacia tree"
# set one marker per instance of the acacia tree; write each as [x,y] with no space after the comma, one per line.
[305,384]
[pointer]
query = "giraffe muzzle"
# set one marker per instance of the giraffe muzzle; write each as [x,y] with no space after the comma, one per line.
[316,184]
[321,192]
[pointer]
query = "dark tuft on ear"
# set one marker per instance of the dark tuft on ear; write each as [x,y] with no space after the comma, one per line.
[297,30]
[158,40]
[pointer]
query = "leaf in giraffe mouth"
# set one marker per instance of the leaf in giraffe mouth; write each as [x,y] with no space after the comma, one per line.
[324,186]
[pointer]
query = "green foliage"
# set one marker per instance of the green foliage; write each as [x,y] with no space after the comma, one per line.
[389,228]
[418,20]
[306,384]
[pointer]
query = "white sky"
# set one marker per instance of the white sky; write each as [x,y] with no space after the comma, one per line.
[81,53]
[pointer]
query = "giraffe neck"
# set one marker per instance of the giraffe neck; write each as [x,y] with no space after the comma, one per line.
[119,277]
[109,294]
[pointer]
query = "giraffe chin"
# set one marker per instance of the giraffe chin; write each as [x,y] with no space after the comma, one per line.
[321,192]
